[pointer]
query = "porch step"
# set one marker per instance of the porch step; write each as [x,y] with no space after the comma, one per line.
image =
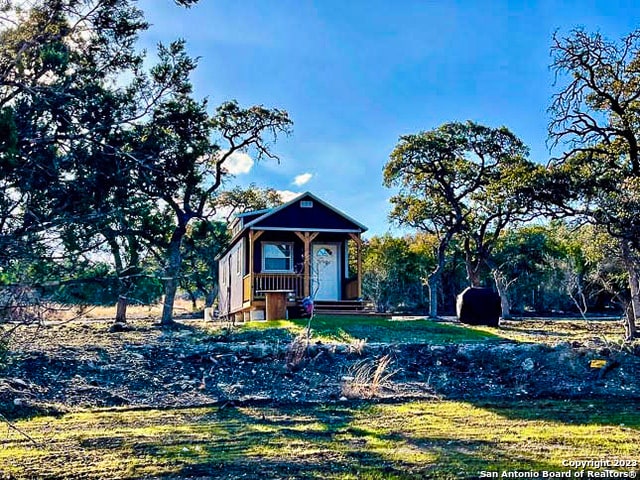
[340,312]
[344,306]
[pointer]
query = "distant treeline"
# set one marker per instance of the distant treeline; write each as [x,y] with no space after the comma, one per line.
[551,269]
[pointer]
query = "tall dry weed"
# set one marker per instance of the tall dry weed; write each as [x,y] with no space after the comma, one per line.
[367,378]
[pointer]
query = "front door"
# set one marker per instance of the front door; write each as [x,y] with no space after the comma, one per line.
[325,274]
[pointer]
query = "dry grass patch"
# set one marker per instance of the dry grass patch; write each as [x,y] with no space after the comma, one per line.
[553,331]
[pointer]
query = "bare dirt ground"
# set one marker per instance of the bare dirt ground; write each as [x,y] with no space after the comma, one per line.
[80,365]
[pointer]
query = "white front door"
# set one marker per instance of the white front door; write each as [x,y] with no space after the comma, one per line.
[325,274]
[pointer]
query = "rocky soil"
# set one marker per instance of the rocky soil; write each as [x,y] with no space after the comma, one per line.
[69,366]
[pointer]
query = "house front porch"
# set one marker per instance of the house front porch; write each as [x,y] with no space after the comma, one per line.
[257,286]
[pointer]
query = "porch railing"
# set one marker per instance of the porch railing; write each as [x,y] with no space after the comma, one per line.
[277,281]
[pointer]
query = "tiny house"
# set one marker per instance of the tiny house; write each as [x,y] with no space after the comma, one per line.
[278,256]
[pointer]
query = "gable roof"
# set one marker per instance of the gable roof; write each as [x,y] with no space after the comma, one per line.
[270,220]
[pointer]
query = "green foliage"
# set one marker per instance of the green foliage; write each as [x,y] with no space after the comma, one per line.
[442,172]
[206,239]
[392,273]
[4,351]
[97,288]
[177,142]
[527,261]
[543,269]
[598,265]
[240,200]
[8,139]
[526,250]
[387,272]
[63,123]
[560,267]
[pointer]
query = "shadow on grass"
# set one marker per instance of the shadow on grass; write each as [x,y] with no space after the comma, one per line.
[333,442]
[438,439]
[599,412]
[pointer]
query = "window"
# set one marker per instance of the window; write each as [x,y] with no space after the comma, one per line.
[225,272]
[306,204]
[347,270]
[324,252]
[277,257]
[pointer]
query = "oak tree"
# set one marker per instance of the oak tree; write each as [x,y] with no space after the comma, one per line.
[460,179]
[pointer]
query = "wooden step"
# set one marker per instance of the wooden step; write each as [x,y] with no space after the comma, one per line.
[339,312]
[337,306]
[363,313]
[346,302]
[338,302]
[343,307]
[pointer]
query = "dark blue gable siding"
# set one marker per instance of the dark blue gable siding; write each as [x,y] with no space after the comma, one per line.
[317,217]
[250,217]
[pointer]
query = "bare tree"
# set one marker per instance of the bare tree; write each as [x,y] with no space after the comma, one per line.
[595,116]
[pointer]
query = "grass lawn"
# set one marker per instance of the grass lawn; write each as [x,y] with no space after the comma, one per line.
[440,439]
[372,329]
[376,329]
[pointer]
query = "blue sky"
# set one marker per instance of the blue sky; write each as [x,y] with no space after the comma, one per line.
[355,75]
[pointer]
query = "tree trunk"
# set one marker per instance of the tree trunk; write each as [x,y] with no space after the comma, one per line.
[501,287]
[194,300]
[434,285]
[630,326]
[121,309]
[632,314]
[473,271]
[211,296]
[434,277]
[472,275]
[172,270]
[121,305]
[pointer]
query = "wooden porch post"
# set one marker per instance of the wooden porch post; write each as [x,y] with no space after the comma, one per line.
[253,236]
[356,238]
[307,238]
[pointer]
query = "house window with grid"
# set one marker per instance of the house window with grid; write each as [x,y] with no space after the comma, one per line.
[277,257]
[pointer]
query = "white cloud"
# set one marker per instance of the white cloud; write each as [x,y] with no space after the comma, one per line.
[238,163]
[302,179]
[287,195]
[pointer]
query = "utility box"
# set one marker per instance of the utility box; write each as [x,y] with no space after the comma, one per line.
[479,306]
